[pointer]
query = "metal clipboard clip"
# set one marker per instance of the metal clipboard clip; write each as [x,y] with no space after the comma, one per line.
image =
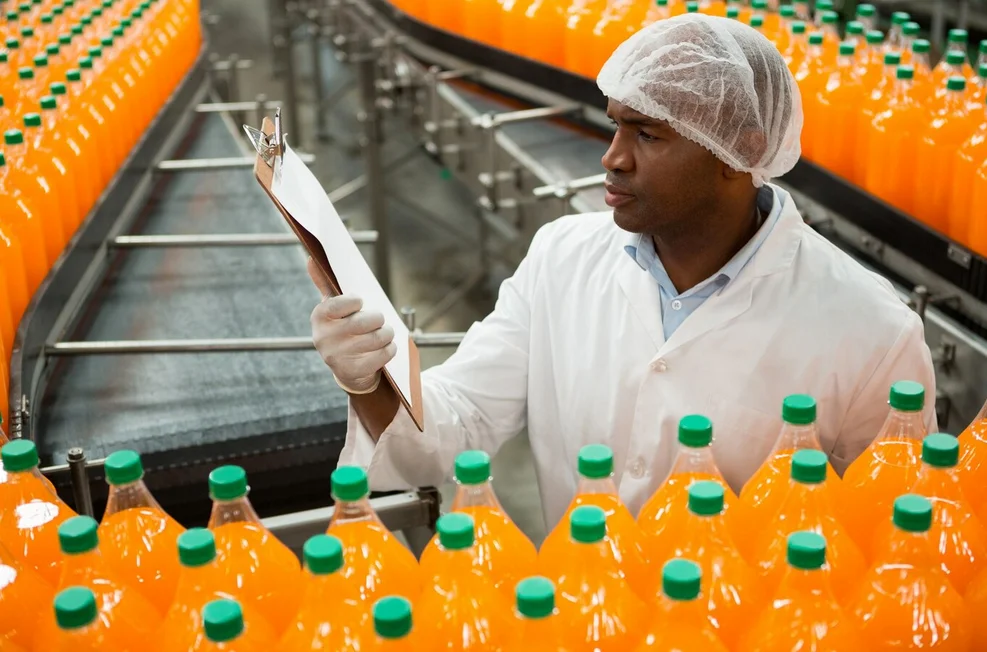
[268,147]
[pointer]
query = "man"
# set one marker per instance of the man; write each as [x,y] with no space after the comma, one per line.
[701,292]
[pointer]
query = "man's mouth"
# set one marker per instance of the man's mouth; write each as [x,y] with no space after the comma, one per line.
[616,196]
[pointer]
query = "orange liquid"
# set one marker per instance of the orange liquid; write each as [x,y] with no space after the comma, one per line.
[811,78]
[973,466]
[804,615]
[976,601]
[481,21]
[98,637]
[244,643]
[512,21]
[140,545]
[682,626]
[543,634]
[811,507]
[612,30]
[978,228]
[24,223]
[581,20]
[839,102]
[874,100]
[7,324]
[23,595]
[264,568]
[66,139]
[29,518]
[544,31]
[39,192]
[886,470]
[14,270]
[970,156]
[906,602]
[52,156]
[957,535]
[445,15]
[891,152]
[936,152]
[623,536]
[373,554]
[332,615]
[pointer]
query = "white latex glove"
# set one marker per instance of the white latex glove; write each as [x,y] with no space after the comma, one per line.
[356,344]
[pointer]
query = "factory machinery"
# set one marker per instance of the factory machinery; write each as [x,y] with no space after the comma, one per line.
[169,325]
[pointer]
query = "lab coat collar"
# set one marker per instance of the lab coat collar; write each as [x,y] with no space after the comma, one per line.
[775,255]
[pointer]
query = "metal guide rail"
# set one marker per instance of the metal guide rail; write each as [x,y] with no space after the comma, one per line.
[526,139]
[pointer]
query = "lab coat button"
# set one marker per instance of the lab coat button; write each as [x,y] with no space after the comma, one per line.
[676,305]
[660,365]
[637,468]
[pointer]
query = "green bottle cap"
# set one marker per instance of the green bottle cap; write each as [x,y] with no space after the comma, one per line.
[920,46]
[706,498]
[983,46]
[875,37]
[323,554]
[958,36]
[787,11]
[227,483]
[695,431]
[799,409]
[12,44]
[69,3]
[982,71]
[1,106]
[809,466]
[892,58]
[830,18]
[97,12]
[3,162]
[20,454]
[941,450]
[910,28]
[122,467]
[24,7]
[815,38]
[733,12]
[681,579]
[455,531]
[798,27]
[392,617]
[535,597]
[866,10]
[12,16]
[76,30]
[955,58]
[86,21]
[196,547]
[900,17]
[349,483]
[40,60]
[95,52]
[138,13]
[757,21]
[847,49]
[27,32]
[75,608]
[855,27]
[222,620]
[806,550]
[86,63]
[759,5]
[692,7]
[907,395]
[106,41]
[108,3]
[472,467]
[26,73]
[661,3]
[65,39]
[126,23]
[117,32]
[74,75]
[49,103]
[58,10]
[824,5]
[595,461]
[912,513]
[46,19]
[588,524]
[78,535]
[905,72]
[3,56]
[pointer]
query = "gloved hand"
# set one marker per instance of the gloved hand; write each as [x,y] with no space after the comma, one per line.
[356,344]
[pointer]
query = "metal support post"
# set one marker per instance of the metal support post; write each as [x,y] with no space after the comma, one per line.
[229,163]
[79,476]
[222,240]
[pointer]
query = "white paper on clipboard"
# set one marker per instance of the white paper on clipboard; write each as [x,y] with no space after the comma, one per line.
[301,194]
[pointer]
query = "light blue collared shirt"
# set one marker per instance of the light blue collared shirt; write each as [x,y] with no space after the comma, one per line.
[675,306]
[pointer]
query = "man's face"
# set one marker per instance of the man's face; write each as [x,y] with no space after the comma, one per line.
[657,181]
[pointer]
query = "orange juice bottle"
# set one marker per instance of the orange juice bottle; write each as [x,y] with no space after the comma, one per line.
[871,66]
[831,35]
[79,131]
[139,538]
[839,102]
[971,154]
[109,87]
[952,65]
[733,594]
[973,462]
[976,600]
[661,517]
[19,219]
[977,88]
[385,566]
[29,512]
[600,610]
[14,270]
[481,21]
[23,595]
[538,625]
[393,626]
[978,206]
[875,99]
[544,31]
[80,629]
[936,151]
[511,18]
[51,156]
[905,601]
[327,582]
[39,193]
[462,610]
[658,10]
[738,11]
[898,20]
[957,535]
[809,506]
[610,31]
[224,629]
[596,487]
[200,581]
[909,34]
[67,143]
[86,108]
[811,77]
[804,614]
[958,41]
[266,571]
[682,622]
[505,553]
[757,22]
[783,35]
[855,36]
[890,156]
[7,323]
[581,18]
[887,469]
[924,89]
[867,14]
[798,46]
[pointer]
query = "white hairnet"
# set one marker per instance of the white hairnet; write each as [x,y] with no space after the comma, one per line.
[717,82]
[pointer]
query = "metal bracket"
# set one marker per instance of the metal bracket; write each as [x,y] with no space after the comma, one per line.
[922,298]
[79,476]
[565,190]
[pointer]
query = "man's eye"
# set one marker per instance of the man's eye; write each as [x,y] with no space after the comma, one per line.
[648,138]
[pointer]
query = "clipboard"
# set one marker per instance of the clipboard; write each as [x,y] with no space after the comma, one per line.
[271,146]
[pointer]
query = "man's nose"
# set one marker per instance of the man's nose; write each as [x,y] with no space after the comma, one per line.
[618,157]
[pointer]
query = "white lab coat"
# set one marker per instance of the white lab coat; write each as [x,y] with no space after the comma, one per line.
[574,351]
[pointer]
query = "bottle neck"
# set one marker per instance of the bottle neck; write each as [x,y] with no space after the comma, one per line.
[796,437]
[954,102]
[129,496]
[908,549]
[238,510]
[904,425]
[686,613]
[475,495]
[596,486]
[695,460]
[902,92]
[353,511]
[76,568]
[921,62]
[799,582]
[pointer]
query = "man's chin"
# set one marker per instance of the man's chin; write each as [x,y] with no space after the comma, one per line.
[628,220]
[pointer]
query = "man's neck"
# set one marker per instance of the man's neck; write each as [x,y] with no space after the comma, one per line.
[690,257]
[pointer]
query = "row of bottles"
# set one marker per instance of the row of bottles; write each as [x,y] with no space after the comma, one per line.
[80,82]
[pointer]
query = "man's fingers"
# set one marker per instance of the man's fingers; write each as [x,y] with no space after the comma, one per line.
[379,358]
[373,341]
[319,279]
[340,307]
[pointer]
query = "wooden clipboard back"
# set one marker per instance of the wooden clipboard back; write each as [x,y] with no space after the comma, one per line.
[264,173]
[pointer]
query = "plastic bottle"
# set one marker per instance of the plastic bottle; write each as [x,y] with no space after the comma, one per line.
[804,614]
[462,610]
[23,595]
[13,269]
[757,22]
[936,149]
[31,177]
[831,34]
[811,77]
[266,571]
[958,41]
[80,629]
[200,581]
[977,88]
[957,535]
[905,601]
[909,33]
[19,219]
[682,623]
[951,65]
[798,46]
[890,160]
[867,14]
[319,626]
[581,18]
[887,469]
[66,143]
[821,6]
[537,621]
[78,131]
[978,206]
[734,594]
[481,21]
[544,31]
[870,60]
[388,568]
[657,10]
[394,626]
[611,30]
[511,26]
[973,463]
[982,53]
[874,102]
[138,537]
[29,512]
[505,553]
[87,108]
[600,610]
[223,626]
[783,34]
[809,506]
[596,487]
[855,36]
[919,60]
[898,20]
[976,601]
[50,156]
[839,103]
[662,516]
